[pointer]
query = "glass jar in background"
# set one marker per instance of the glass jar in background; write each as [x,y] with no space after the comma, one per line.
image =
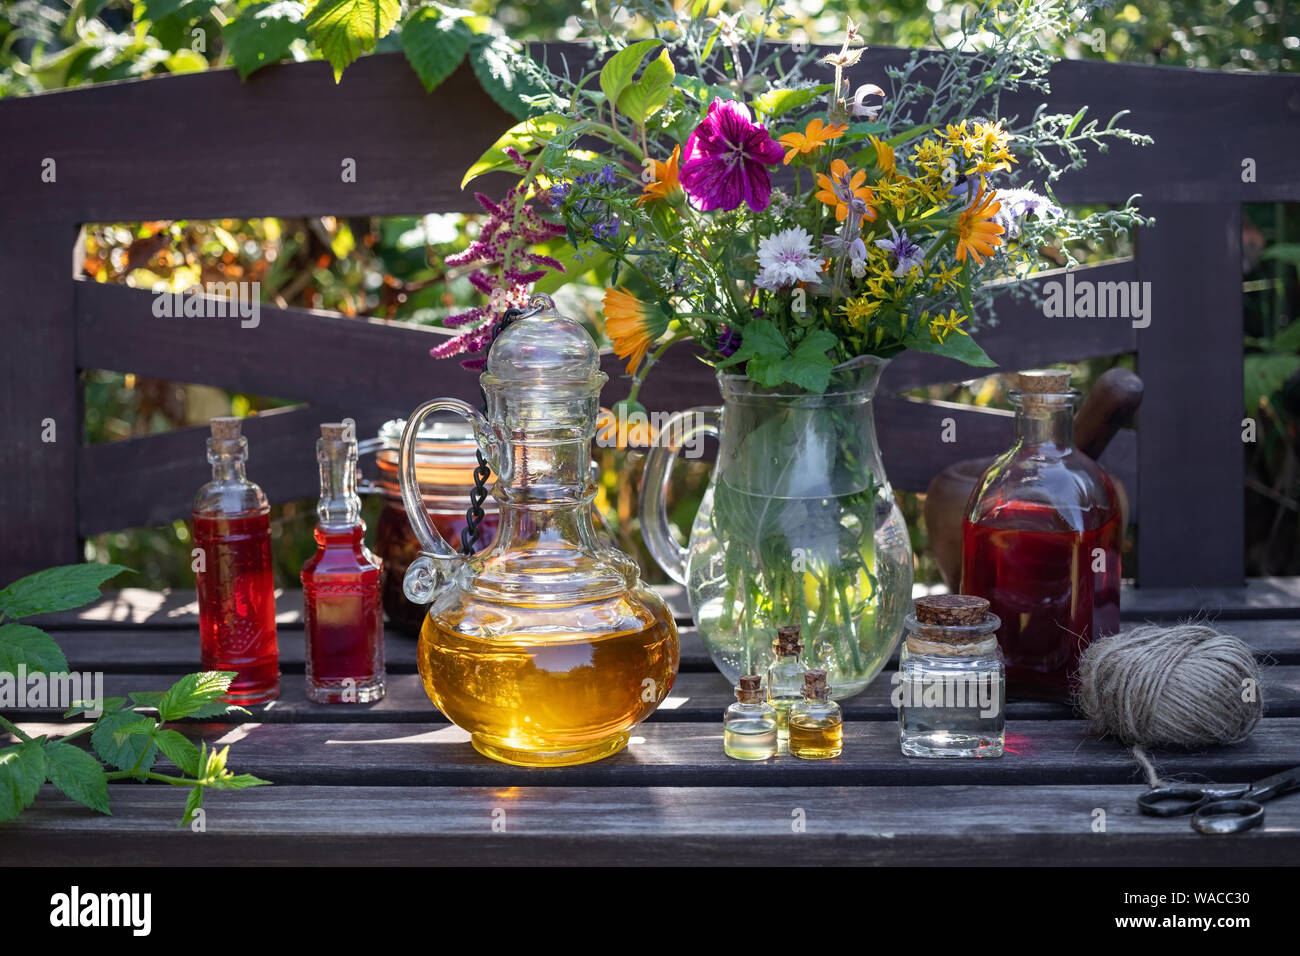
[445,463]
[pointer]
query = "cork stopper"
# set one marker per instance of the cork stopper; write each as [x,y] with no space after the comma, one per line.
[788,643]
[1043,381]
[960,624]
[333,431]
[750,690]
[947,610]
[815,686]
[225,429]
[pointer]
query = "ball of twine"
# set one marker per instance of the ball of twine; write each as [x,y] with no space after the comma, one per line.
[1183,686]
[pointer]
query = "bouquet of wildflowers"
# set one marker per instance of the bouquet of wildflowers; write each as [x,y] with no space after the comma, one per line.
[779,208]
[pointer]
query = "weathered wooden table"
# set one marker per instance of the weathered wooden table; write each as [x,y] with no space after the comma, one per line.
[394,783]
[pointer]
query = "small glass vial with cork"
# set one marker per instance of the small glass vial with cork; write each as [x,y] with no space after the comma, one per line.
[749,726]
[785,676]
[342,589]
[952,688]
[816,723]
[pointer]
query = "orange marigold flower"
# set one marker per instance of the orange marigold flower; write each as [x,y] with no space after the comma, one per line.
[816,135]
[665,182]
[842,187]
[631,325]
[976,232]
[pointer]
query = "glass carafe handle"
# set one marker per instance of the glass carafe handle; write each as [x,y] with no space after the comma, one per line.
[676,433]
[438,560]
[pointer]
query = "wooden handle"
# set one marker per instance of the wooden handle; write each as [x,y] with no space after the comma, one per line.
[1114,399]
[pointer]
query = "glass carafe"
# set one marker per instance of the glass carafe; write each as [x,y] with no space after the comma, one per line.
[798,527]
[546,647]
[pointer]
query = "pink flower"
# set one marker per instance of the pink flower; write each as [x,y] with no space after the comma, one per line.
[725,157]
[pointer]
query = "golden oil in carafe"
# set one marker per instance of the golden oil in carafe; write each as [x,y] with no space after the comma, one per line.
[549,699]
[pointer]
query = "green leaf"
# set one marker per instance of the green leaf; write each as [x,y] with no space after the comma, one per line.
[345,29]
[1288,340]
[120,741]
[616,75]
[1078,117]
[700,91]
[107,705]
[1285,251]
[434,44]
[30,647]
[146,698]
[809,366]
[172,19]
[910,134]
[56,589]
[77,774]
[22,771]
[642,99]
[593,257]
[501,67]
[963,348]
[523,137]
[192,803]
[240,781]
[262,33]
[759,338]
[1265,374]
[179,750]
[774,103]
[195,695]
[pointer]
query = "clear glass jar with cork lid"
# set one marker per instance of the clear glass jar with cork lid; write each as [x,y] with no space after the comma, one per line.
[951,692]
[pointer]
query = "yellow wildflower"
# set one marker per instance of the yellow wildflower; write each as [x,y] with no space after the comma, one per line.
[945,277]
[942,326]
[859,310]
[884,156]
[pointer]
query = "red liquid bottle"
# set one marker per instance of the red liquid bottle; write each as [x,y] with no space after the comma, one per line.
[342,587]
[1041,541]
[232,535]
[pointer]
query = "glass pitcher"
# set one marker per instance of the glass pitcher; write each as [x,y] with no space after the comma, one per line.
[546,647]
[798,527]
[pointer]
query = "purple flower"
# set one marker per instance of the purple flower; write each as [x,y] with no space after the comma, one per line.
[907,254]
[607,229]
[728,341]
[725,157]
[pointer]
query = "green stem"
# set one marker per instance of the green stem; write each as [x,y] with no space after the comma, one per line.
[15,730]
[150,775]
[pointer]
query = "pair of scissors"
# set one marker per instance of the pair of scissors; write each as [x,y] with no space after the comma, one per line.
[1218,808]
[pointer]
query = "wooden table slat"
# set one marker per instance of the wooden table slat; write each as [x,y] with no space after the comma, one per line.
[690,754]
[696,697]
[941,825]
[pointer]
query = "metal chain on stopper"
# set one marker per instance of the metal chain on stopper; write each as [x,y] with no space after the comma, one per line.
[478,494]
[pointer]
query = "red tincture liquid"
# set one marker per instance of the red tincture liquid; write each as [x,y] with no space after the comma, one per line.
[237,604]
[1040,580]
[343,619]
